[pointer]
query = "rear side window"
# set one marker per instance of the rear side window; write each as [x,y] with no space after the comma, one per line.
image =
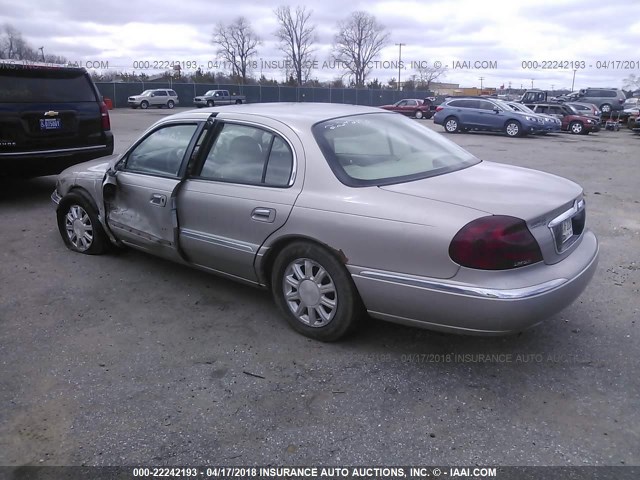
[45,85]
[173,93]
[249,155]
[464,103]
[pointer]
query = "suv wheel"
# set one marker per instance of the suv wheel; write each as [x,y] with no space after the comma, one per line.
[209,103]
[171,104]
[419,114]
[451,125]
[576,128]
[606,108]
[513,128]
[144,105]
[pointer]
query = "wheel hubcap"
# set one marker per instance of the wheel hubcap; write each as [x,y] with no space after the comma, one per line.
[79,228]
[452,125]
[310,292]
[512,129]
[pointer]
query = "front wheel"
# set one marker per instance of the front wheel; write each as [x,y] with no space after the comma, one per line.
[419,114]
[171,104]
[144,105]
[79,226]
[576,128]
[315,292]
[451,125]
[210,103]
[606,108]
[513,129]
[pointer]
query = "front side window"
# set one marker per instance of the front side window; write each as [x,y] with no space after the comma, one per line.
[161,93]
[382,149]
[162,151]
[248,155]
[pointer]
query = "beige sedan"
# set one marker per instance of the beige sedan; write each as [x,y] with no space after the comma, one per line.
[342,212]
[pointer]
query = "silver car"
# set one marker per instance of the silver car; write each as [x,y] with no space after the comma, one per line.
[159,97]
[340,211]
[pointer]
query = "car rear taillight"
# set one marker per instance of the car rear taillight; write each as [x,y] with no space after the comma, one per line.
[104,114]
[621,100]
[438,108]
[495,243]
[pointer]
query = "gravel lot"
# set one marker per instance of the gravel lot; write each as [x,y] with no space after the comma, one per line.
[126,359]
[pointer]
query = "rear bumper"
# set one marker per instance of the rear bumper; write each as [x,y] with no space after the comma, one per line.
[51,162]
[479,308]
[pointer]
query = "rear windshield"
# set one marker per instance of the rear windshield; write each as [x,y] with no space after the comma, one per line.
[44,86]
[382,149]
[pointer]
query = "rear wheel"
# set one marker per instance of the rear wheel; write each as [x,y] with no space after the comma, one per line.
[238,102]
[144,104]
[79,226]
[576,128]
[315,292]
[513,128]
[419,114]
[451,125]
[171,104]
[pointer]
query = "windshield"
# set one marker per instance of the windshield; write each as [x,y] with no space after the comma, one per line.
[573,109]
[146,93]
[209,93]
[382,149]
[520,108]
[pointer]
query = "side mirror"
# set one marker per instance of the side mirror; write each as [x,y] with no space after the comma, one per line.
[109,186]
[496,109]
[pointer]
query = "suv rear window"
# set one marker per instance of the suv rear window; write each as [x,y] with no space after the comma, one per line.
[44,86]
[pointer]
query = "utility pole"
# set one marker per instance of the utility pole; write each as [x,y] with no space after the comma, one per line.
[400,45]
[532,83]
[574,79]
[42,52]
[481,79]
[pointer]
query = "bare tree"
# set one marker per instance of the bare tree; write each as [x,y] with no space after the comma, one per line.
[631,82]
[237,44]
[296,35]
[359,40]
[427,74]
[14,47]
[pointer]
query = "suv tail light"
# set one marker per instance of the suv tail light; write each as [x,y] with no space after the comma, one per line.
[438,108]
[104,114]
[495,243]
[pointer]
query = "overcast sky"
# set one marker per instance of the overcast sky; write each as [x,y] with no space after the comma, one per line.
[123,31]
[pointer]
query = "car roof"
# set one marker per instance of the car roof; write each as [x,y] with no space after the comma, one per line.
[29,65]
[292,113]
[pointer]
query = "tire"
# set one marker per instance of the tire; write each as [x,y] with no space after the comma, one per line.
[419,114]
[238,102]
[171,104]
[577,128]
[451,125]
[513,128]
[144,105]
[605,108]
[334,313]
[77,215]
[210,103]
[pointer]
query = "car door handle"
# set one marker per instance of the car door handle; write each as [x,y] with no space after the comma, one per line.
[158,199]
[262,214]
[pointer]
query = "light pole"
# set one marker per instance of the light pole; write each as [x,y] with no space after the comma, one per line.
[399,61]
[42,52]
[574,78]
[481,79]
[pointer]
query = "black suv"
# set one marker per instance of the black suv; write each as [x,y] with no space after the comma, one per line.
[51,117]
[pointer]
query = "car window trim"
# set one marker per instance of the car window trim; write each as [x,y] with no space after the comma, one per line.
[187,154]
[218,126]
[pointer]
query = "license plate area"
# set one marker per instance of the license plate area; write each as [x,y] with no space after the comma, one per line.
[48,124]
[567,227]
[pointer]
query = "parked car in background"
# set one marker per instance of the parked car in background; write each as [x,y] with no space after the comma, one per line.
[480,113]
[572,120]
[588,109]
[551,124]
[51,117]
[633,102]
[159,97]
[412,107]
[217,98]
[306,201]
[606,99]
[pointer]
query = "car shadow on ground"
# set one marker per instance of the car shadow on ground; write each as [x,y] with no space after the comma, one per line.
[32,190]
